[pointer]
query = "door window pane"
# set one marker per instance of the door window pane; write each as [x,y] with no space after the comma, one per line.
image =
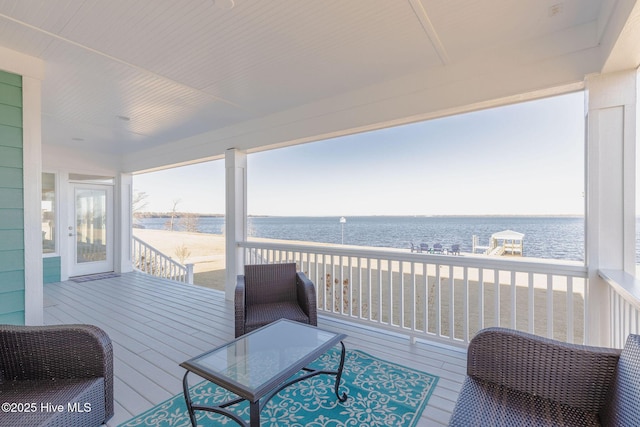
[91,227]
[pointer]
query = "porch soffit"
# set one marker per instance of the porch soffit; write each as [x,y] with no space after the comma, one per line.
[157,82]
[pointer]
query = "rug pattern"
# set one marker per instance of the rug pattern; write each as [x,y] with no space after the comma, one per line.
[380,393]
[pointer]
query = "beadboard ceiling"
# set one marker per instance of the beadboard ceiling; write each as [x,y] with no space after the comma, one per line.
[153,80]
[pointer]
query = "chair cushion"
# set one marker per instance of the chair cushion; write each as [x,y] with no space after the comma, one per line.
[262,314]
[486,404]
[77,392]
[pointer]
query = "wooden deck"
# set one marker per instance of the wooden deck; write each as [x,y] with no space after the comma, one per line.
[155,324]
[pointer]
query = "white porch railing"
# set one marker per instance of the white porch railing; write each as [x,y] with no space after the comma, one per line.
[443,297]
[150,260]
[624,301]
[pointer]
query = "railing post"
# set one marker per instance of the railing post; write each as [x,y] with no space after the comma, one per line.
[189,273]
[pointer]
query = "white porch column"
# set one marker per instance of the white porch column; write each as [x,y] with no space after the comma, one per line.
[32,170]
[611,159]
[235,216]
[123,223]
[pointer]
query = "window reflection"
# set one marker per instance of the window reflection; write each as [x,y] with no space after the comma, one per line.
[48,213]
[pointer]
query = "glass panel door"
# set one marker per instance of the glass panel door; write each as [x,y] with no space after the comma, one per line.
[92,230]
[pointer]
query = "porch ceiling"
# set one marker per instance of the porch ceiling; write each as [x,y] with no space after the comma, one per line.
[156,82]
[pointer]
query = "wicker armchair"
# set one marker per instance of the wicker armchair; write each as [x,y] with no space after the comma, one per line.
[268,292]
[519,379]
[44,367]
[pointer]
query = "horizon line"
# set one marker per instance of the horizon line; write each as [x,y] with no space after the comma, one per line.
[370,215]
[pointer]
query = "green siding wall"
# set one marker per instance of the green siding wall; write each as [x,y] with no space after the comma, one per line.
[51,269]
[12,295]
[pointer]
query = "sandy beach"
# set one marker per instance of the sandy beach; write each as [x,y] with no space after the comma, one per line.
[207,253]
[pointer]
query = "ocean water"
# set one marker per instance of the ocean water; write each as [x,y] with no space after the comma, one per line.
[545,237]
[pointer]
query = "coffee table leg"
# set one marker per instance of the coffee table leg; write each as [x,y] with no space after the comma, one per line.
[339,375]
[254,414]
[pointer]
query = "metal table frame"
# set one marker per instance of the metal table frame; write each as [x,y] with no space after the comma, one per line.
[259,397]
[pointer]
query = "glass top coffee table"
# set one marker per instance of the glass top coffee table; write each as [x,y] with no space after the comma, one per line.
[258,365]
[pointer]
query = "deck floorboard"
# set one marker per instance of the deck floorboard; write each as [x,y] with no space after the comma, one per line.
[156,324]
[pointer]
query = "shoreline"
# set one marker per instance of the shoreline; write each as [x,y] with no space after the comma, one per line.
[547,236]
[143,215]
[207,252]
[207,248]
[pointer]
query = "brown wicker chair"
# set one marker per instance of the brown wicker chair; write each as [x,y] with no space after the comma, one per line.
[519,379]
[268,292]
[42,367]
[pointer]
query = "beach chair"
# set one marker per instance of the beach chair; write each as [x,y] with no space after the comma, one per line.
[437,248]
[424,247]
[268,292]
[455,250]
[415,248]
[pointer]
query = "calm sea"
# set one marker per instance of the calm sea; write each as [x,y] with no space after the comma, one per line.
[545,237]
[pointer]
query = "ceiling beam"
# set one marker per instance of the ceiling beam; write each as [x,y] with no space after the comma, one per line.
[429,29]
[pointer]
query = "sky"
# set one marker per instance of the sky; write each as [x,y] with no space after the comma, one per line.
[522,159]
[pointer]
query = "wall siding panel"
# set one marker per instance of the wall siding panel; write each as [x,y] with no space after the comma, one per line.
[10,136]
[11,95]
[12,278]
[10,79]
[12,219]
[15,318]
[11,116]
[11,261]
[51,269]
[11,177]
[11,240]
[11,300]
[10,157]
[11,198]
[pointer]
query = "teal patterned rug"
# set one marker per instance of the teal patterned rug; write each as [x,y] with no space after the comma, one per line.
[380,393]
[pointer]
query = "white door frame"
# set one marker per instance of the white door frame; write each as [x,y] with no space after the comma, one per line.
[90,267]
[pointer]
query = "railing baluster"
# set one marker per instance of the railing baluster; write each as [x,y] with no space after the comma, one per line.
[481,298]
[369,307]
[425,313]
[401,318]
[360,292]
[333,285]
[570,309]
[549,306]
[452,304]
[465,305]
[414,297]
[324,279]
[531,303]
[514,300]
[438,304]
[390,271]
[419,311]
[151,261]
[379,264]
[350,278]
[496,281]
